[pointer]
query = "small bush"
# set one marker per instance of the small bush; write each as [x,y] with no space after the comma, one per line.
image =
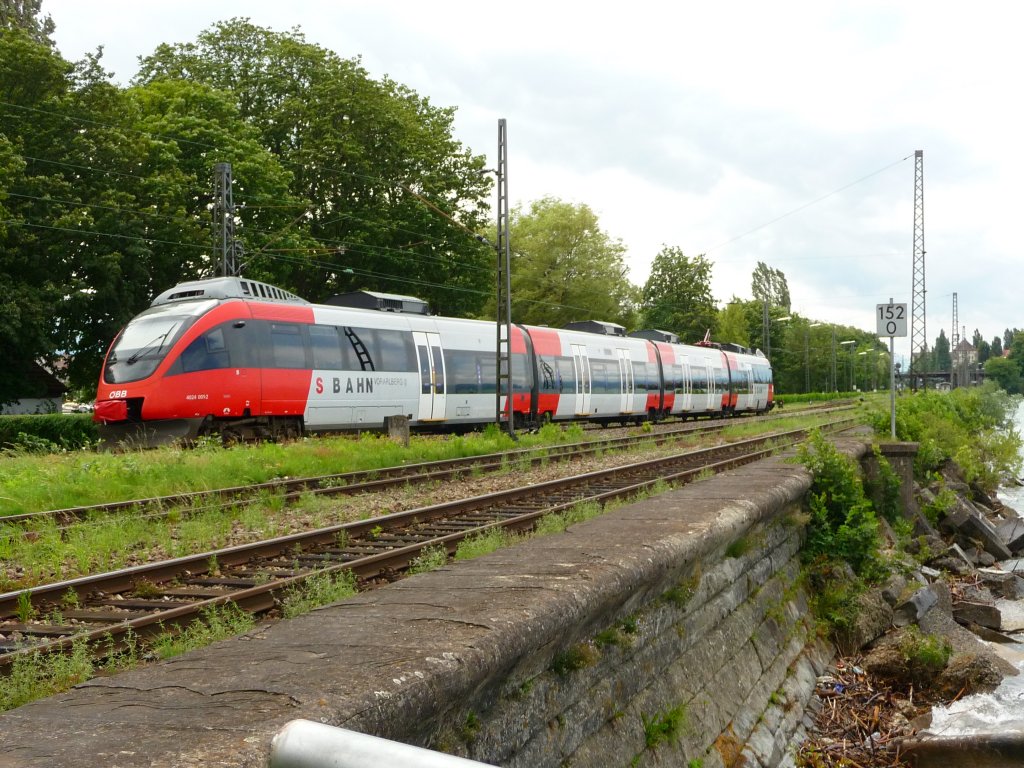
[430,559]
[843,526]
[926,655]
[317,590]
[664,726]
[47,433]
[579,656]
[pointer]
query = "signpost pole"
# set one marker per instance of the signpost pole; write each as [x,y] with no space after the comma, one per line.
[892,322]
[892,386]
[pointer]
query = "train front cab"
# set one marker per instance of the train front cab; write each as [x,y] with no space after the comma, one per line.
[173,366]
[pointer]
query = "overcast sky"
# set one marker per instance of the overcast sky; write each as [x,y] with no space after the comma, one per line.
[781,132]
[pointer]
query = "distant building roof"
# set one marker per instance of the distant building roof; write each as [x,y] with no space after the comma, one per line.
[39,382]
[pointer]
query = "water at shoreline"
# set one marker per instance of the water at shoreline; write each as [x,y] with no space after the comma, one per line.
[1002,710]
[1013,496]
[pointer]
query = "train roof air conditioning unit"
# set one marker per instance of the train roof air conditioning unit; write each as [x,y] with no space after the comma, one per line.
[597,326]
[382,302]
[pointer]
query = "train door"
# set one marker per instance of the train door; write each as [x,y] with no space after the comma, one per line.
[626,383]
[684,388]
[581,364]
[430,361]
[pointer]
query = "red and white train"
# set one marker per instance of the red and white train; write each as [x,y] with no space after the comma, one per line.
[242,358]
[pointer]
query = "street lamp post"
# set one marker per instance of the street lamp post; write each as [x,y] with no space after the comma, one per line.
[807,355]
[846,343]
[835,386]
[768,329]
[807,359]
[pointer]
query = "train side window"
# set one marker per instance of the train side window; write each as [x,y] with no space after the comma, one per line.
[423,352]
[463,372]
[565,373]
[396,351]
[521,378]
[605,378]
[326,347]
[286,345]
[206,353]
[487,372]
[547,375]
[439,370]
[700,380]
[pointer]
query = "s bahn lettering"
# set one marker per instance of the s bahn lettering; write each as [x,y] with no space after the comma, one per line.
[363,385]
[360,385]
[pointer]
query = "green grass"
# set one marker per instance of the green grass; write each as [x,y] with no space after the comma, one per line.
[35,676]
[317,590]
[217,623]
[484,543]
[430,559]
[29,482]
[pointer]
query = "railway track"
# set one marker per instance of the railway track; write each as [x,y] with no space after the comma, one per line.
[368,481]
[107,610]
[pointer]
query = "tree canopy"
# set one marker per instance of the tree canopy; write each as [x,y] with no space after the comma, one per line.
[566,268]
[379,174]
[677,296]
[770,285]
[732,326]
[341,182]
[26,16]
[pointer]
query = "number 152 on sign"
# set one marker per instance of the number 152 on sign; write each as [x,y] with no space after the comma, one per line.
[892,319]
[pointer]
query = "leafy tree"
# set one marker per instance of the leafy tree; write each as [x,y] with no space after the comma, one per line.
[996,347]
[24,15]
[984,351]
[154,222]
[731,324]
[1005,373]
[1017,350]
[1008,337]
[941,358]
[565,268]
[677,295]
[770,285]
[106,195]
[34,83]
[378,163]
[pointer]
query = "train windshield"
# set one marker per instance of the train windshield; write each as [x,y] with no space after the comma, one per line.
[145,341]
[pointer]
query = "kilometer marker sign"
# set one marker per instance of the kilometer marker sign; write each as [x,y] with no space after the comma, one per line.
[892,319]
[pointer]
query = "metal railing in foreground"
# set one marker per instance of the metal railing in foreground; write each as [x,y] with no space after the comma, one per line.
[305,744]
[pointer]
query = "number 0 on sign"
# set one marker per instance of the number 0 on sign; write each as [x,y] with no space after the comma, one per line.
[892,319]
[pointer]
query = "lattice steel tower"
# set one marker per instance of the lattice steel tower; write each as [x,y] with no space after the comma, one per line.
[918,327]
[954,340]
[224,241]
[504,293]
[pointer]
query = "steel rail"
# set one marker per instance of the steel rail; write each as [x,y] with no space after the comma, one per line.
[377,548]
[362,481]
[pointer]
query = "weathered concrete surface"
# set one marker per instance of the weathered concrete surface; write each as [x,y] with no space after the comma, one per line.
[425,660]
